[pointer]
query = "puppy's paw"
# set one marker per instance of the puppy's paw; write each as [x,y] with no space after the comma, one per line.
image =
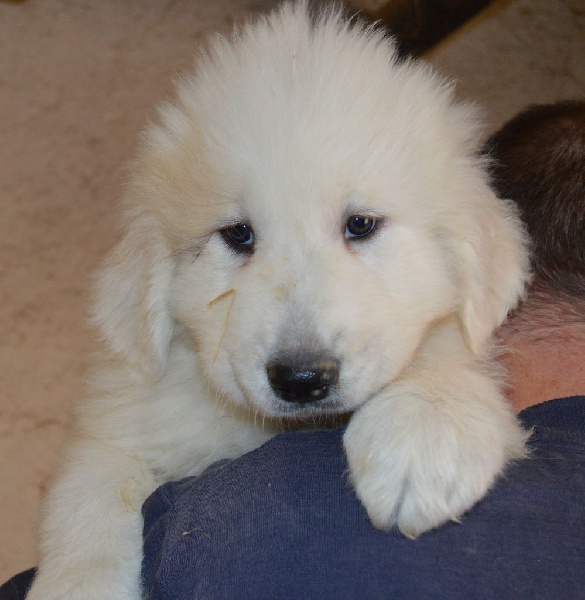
[417,462]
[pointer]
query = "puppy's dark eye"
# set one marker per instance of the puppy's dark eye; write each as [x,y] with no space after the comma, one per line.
[239,236]
[360,226]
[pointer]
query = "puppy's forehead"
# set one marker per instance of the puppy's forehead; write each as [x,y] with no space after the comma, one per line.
[294,112]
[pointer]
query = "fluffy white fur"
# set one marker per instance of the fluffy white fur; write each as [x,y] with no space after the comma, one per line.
[292,127]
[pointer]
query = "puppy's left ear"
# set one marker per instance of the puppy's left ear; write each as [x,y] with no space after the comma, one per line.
[491,251]
[131,304]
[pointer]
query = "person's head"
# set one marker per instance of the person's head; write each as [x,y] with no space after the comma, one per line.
[539,163]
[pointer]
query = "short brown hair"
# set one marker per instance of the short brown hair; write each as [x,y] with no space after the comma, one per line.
[539,163]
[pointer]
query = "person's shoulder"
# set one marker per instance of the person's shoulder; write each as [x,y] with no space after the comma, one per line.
[557,424]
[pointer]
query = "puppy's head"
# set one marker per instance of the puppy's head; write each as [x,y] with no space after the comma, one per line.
[304,213]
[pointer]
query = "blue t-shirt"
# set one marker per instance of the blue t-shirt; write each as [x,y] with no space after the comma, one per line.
[282,522]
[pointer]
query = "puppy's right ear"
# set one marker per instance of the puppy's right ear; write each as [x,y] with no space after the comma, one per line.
[131,305]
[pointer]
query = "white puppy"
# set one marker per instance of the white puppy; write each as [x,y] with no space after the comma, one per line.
[309,231]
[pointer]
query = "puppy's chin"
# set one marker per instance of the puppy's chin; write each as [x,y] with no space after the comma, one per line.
[310,417]
[327,412]
[309,410]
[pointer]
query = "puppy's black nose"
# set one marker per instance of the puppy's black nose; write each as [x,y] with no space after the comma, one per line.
[303,383]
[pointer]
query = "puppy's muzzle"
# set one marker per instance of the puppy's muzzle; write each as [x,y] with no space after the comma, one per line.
[305,383]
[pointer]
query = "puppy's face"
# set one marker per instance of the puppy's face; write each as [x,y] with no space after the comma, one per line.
[301,303]
[311,261]
[305,213]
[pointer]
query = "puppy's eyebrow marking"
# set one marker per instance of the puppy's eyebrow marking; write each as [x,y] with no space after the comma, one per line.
[231,292]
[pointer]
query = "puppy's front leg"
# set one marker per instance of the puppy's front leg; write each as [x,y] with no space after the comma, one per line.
[431,445]
[91,540]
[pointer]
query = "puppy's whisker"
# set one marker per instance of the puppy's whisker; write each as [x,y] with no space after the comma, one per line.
[228,293]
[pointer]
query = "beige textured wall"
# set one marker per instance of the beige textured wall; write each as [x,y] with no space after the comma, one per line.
[516,53]
[78,79]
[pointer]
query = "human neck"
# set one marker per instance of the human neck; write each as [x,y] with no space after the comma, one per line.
[544,369]
[545,347]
